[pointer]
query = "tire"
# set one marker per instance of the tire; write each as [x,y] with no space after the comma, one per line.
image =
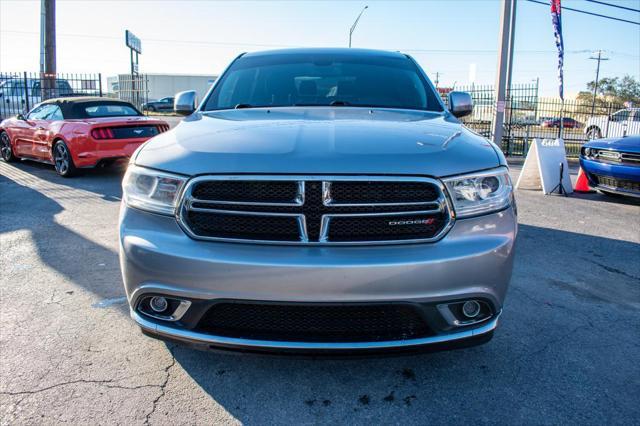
[5,148]
[62,160]
[594,133]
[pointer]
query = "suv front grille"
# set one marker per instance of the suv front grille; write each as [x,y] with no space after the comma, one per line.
[315,322]
[317,210]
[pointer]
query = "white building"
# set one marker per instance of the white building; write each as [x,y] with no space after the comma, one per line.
[161,85]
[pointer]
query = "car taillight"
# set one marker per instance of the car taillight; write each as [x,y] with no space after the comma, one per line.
[162,128]
[102,133]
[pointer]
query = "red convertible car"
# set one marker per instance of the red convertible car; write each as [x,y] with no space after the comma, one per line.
[74,133]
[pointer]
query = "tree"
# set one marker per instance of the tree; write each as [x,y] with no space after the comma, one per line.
[616,90]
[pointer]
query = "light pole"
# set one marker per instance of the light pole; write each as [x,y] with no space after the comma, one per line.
[595,87]
[353,27]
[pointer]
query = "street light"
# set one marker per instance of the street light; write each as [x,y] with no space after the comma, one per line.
[353,27]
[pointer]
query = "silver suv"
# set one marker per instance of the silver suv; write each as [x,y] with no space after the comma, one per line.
[319,200]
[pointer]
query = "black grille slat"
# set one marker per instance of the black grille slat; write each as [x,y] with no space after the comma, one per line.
[627,185]
[383,228]
[371,192]
[222,225]
[247,191]
[315,322]
[371,204]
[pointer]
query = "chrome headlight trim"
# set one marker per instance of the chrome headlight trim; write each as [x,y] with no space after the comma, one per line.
[152,190]
[476,194]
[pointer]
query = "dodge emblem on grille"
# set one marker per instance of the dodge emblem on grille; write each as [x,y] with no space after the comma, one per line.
[412,222]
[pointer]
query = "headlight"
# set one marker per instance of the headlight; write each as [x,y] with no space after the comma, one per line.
[150,190]
[480,193]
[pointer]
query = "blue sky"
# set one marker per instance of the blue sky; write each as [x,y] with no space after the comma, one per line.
[201,37]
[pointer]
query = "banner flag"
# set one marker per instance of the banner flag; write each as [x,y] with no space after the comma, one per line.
[556,20]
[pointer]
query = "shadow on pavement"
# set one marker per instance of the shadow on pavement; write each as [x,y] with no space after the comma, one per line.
[102,181]
[83,262]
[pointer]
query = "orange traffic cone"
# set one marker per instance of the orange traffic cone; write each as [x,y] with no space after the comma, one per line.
[582,184]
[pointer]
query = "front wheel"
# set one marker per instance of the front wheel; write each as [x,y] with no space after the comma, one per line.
[594,133]
[6,151]
[62,160]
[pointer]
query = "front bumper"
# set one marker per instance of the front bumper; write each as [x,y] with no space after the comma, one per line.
[618,172]
[475,259]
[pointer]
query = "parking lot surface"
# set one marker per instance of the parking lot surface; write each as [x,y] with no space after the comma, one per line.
[567,348]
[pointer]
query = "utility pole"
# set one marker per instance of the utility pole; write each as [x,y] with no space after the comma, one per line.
[599,58]
[505,53]
[353,27]
[42,20]
[437,79]
[49,81]
[512,39]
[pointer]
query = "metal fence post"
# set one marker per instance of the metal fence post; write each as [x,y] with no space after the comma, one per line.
[100,83]
[26,92]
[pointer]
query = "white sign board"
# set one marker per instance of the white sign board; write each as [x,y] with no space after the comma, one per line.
[541,170]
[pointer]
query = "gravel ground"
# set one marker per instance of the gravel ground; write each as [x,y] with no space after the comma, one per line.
[567,348]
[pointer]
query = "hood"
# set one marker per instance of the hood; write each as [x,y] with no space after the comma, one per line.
[627,144]
[319,140]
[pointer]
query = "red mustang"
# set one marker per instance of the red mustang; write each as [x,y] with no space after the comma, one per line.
[74,133]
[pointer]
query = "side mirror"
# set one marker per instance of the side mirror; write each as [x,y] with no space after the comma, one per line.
[460,103]
[185,103]
[21,117]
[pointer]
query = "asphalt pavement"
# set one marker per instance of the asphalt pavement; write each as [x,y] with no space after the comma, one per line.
[567,349]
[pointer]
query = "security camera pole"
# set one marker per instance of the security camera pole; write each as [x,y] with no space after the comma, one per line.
[353,27]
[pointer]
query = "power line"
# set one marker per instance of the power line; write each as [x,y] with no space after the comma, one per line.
[614,5]
[414,51]
[588,13]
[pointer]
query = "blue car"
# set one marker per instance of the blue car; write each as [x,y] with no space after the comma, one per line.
[613,165]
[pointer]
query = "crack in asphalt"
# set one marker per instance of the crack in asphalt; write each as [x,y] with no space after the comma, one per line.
[162,386]
[72,382]
[108,383]
[615,270]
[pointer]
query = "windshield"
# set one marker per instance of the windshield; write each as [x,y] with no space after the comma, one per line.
[323,79]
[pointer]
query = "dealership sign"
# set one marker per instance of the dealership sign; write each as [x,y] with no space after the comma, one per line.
[545,167]
[133,42]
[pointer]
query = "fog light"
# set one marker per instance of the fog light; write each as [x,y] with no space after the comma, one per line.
[158,304]
[470,309]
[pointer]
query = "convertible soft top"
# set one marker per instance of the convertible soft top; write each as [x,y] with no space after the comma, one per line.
[75,108]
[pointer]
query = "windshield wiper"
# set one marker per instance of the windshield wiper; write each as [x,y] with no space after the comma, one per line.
[240,106]
[339,103]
